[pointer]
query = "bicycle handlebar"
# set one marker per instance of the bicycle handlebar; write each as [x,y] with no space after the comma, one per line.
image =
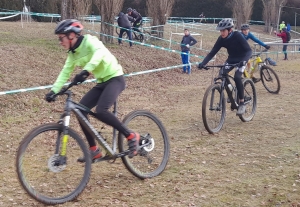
[221,66]
[64,90]
[258,54]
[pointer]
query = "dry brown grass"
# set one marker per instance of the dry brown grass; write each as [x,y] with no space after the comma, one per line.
[246,164]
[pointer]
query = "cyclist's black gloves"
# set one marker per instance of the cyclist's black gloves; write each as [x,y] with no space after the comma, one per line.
[267,47]
[201,66]
[50,96]
[81,77]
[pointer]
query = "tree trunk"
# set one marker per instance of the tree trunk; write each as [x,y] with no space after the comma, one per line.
[67,9]
[159,10]
[271,12]
[242,11]
[108,10]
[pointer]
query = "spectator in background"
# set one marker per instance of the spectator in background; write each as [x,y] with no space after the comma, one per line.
[288,27]
[125,25]
[283,36]
[282,25]
[201,16]
[186,42]
[137,20]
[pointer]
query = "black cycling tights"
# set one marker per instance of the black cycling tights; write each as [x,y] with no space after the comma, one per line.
[103,96]
[238,80]
[239,84]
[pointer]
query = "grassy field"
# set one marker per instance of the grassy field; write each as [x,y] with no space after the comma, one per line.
[246,164]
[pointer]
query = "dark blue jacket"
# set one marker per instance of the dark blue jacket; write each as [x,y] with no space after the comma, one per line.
[137,16]
[187,39]
[252,37]
[237,47]
[123,21]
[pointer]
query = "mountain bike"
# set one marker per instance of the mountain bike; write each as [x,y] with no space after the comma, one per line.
[214,103]
[143,36]
[268,76]
[46,159]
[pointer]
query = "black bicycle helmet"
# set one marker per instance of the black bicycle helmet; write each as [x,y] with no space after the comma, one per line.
[68,25]
[129,10]
[225,24]
[245,27]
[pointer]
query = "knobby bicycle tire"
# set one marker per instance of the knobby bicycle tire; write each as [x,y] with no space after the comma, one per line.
[250,99]
[147,36]
[268,75]
[210,106]
[152,159]
[36,181]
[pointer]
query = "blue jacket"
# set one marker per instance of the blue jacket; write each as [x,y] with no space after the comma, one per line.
[187,39]
[288,27]
[252,37]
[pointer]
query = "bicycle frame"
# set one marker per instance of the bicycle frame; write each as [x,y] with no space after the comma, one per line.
[255,63]
[224,85]
[76,108]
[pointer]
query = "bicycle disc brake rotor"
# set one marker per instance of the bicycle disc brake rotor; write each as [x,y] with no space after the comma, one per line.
[54,163]
[150,143]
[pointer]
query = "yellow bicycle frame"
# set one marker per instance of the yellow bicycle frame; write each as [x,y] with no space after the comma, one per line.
[254,62]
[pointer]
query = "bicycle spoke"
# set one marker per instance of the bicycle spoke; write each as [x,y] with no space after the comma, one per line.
[270,79]
[153,156]
[213,112]
[42,176]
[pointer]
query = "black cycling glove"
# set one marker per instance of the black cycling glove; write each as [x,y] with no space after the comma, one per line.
[267,47]
[81,77]
[49,97]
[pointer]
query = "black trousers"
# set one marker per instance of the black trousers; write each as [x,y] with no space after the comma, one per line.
[103,96]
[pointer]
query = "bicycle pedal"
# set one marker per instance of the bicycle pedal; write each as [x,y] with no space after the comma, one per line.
[104,158]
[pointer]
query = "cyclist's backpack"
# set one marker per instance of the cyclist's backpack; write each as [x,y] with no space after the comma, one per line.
[288,36]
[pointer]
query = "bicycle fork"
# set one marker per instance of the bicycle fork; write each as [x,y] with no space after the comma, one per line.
[62,144]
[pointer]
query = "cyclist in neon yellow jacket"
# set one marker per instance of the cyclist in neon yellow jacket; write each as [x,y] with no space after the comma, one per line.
[89,53]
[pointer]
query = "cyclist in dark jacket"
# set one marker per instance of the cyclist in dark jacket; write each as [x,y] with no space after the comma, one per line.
[186,42]
[238,50]
[137,19]
[125,25]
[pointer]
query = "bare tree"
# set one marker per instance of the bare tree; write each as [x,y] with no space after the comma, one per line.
[81,8]
[272,12]
[108,10]
[159,10]
[242,10]
[66,9]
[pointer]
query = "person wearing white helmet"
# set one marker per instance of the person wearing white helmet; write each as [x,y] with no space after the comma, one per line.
[238,50]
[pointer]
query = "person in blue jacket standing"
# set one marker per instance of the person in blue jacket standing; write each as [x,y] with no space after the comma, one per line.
[186,42]
[245,28]
[288,27]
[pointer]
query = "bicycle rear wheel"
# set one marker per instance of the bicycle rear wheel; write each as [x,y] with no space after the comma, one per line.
[147,36]
[213,109]
[40,172]
[151,159]
[269,79]
[249,100]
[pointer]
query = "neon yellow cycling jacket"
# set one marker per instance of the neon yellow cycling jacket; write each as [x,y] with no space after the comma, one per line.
[92,56]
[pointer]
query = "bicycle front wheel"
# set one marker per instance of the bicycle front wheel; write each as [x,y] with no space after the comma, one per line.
[213,109]
[249,100]
[151,159]
[269,79]
[43,174]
